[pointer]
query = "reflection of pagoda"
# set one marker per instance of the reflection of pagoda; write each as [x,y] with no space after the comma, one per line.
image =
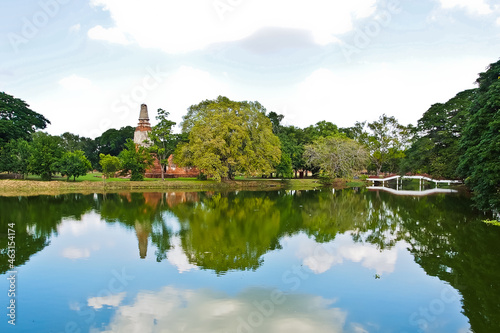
[141,138]
[142,233]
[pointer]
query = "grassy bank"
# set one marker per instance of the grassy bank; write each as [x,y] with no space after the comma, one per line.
[92,183]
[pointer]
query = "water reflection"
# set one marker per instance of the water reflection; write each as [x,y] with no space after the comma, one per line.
[253,310]
[233,232]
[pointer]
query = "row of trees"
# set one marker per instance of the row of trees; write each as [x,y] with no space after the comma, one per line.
[224,138]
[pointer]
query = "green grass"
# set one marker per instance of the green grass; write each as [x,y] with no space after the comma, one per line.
[97,177]
[355,184]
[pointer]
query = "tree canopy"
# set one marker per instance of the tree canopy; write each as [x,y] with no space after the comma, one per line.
[74,164]
[480,142]
[227,138]
[46,153]
[386,140]
[436,149]
[17,120]
[337,156]
[162,139]
[135,159]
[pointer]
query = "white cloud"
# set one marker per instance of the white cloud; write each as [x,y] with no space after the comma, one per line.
[178,258]
[173,310]
[75,253]
[498,21]
[182,88]
[477,7]
[113,35]
[90,223]
[75,82]
[75,28]
[192,25]
[111,300]
[405,89]
[321,257]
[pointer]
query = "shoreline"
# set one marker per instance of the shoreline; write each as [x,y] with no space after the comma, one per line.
[10,187]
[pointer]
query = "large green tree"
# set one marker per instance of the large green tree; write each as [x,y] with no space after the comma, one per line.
[74,164]
[436,148]
[17,157]
[480,142]
[46,153]
[163,140]
[337,157]
[17,120]
[227,138]
[135,159]
[386,140]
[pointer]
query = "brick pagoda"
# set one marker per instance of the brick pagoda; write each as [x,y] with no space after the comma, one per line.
[141,138]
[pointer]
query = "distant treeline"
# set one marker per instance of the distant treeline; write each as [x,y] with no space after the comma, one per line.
[456,139]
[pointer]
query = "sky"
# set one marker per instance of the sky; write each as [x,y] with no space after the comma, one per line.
[88,65]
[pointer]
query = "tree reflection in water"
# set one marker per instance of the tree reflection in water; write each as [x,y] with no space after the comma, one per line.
[232,231]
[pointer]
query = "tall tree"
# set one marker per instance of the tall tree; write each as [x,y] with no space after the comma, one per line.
[135,159]
[17,120]
[436,148]
[386,140]
[46,152]
[20,156]
[15,157]
[480,143]
[228,137]
[163,140]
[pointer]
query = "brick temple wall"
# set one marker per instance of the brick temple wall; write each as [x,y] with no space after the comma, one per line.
[172,171]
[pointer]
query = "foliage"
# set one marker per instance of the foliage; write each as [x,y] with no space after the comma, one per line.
[227,138]
[321,129]
[17,157]
[72,142]
[74,164]
[492,222]
[386,141]
[46,152]
[284,168]
[163,141]
[480,142]
[136,160]
[436,151]
[113,141]
[337,157]
[109,164]
[17,120]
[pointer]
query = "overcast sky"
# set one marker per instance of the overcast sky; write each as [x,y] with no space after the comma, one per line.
[87,65]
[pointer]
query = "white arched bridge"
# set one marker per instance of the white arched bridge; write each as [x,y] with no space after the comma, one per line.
[421,179]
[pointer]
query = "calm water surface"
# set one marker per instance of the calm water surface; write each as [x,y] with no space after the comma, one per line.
[283,261]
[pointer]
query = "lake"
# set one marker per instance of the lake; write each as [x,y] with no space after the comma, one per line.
[353,260]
